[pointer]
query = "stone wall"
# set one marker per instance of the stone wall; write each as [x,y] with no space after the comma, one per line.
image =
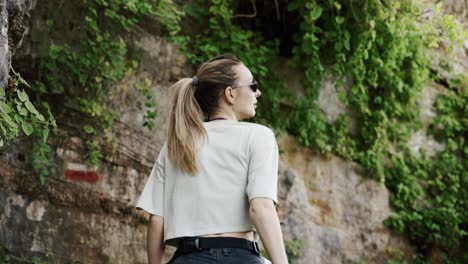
[86,214]
[14,16]
[336,212]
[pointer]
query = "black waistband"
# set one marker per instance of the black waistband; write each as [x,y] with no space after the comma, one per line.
[190,244]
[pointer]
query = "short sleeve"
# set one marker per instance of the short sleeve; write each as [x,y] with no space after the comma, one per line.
[262,180]
[152,197]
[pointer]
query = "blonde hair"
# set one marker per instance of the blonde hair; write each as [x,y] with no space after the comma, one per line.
[185,127]
[189,102]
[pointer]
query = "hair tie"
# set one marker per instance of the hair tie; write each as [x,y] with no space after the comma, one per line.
[195,81]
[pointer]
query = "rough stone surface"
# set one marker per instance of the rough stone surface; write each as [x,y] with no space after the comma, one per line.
[73,217]
[459,8]
[4,50]
[13,20]
[329,102]
[420,141]
[87,214]
[451,63]
[35,211]
[333,209]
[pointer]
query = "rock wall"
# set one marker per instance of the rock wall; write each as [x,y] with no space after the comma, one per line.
[336,212]
[14,16]
[86,214]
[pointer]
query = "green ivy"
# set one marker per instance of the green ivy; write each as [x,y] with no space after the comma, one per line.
[213,32]
[87,71]
[379,47]
[83,73]
[293,249]
[20,115]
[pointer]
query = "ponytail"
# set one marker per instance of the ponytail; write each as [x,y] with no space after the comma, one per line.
[185,131]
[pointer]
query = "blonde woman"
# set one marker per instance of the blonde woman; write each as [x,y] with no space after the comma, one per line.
[214,184]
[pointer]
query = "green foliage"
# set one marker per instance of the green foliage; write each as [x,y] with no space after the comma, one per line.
[19,114]
[86,70]
[150,116]
[438,219]
[380,49]
[213,32]
[293,249]
[95,64]
[169,15]
[41,160]
[7,257]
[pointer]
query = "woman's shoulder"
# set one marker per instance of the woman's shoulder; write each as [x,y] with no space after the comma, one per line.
[251,130]
[258,128]
[258,131]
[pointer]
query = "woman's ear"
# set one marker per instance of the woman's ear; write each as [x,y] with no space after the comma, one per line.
[230,94]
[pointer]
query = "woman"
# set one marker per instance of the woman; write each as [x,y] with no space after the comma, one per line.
[214,184]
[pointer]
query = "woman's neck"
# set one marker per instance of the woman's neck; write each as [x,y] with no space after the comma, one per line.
[222,116]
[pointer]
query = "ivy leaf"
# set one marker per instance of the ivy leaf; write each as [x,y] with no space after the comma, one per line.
[23,96]
[339,20]
[337,5]
[27,128]
[316,13]
[294,5]
[5,108]
[30,107]
[9,121]
[88,129]
[39,116]
[2,92]
[21,110]
[45,135]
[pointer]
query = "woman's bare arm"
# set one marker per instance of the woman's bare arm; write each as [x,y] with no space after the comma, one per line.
[155,239]
[265,219]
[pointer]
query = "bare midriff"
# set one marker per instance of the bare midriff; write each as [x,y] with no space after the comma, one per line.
[249,235]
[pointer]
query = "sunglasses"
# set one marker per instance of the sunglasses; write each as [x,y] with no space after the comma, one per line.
[253,86]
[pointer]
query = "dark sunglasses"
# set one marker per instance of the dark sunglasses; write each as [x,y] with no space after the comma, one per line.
[253,86]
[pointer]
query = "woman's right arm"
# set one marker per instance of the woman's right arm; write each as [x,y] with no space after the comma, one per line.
[155,239]
[265,219]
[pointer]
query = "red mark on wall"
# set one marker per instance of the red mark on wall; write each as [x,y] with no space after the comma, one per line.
[87,176]
[80,172]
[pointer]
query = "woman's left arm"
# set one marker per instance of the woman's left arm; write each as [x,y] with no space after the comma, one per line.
[155,239]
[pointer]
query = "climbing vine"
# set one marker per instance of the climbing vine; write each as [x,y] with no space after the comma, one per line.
[94,63]
[20,115]
[378,51]
[98,60]
[83,71]
[212,31]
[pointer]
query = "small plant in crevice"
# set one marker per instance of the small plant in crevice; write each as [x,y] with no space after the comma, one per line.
[293,249]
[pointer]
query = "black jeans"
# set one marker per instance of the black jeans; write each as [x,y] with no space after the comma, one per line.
[219,256]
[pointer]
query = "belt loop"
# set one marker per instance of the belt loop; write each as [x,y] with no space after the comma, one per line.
[197,244]
[256,248]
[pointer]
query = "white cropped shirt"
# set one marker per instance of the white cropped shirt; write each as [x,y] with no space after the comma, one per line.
[238,163]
